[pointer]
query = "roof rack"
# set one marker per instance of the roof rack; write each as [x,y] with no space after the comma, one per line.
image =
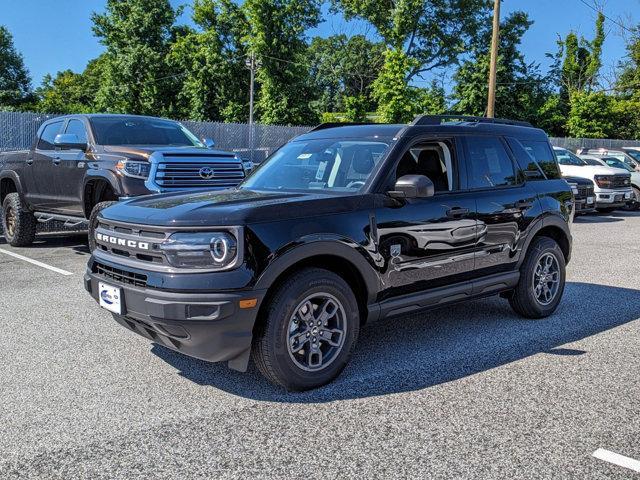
[440,119]
[326,125]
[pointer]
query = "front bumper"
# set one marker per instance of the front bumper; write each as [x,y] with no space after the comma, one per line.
[209,326]
[585,205]
[613,198]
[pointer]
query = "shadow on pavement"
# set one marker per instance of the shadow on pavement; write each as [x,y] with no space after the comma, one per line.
[422,350]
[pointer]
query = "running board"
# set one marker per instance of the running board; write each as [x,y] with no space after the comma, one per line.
[440,296]
[69,221]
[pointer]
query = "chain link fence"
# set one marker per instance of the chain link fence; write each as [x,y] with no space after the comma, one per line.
[257,142]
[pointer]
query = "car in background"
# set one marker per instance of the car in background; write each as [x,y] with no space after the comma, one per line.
[623,154]
[619,164]
[633,152]
[80,164]
[612,187]
[584,194]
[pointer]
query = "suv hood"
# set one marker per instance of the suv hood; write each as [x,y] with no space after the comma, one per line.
[143,152]
[235,207]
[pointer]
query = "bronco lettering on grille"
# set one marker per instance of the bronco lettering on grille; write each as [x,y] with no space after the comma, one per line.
[122,242]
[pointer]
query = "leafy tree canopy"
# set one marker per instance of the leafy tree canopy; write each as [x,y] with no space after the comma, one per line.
[15,83]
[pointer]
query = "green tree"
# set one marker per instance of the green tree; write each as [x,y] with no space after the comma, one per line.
[137,36]
[215,82]
[70,92]
[15,83]
[592,115]
[344,67]
[521,90]
[582,60]
[276,36]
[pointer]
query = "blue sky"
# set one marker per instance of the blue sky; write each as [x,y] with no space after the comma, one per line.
[56,35]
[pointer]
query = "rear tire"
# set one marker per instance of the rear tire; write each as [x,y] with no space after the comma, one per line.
[635,205]
[542,280]
[308,332]
[18,222]
[93,222]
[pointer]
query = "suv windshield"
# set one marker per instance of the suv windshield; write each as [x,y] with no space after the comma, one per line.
[141,131]
[635,154]
[320,164]
[616,163]
[565,157]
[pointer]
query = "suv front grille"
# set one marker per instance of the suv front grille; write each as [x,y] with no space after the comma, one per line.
[180,173]
[120,276]
[585,191]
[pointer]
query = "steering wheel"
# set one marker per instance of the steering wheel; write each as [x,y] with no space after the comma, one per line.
[355,183]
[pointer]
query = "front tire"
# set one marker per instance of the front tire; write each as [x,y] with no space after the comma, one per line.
[93,222]
[542,280]
[308,332]
[18,222]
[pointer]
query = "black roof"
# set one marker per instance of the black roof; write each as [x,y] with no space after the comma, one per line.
[392,130]
[104,115]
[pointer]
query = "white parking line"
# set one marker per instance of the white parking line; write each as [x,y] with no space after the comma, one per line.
[617,459]
[36,262]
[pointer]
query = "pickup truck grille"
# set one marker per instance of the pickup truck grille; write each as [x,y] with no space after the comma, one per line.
[189,172]
[585,191]
[620,181]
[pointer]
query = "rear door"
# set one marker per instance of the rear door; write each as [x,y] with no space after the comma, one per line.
[42,191]
[506,204]
[71,171]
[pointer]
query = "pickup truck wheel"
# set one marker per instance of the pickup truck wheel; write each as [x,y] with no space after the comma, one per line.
[309,331]
[542,280]
[93,222]
[18,222]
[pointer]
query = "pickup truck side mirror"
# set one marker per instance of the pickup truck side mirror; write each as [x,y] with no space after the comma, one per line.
[208,142]
[69,141]
[413,186]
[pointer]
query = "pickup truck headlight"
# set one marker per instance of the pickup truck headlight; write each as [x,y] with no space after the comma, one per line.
[603,181]
[206,250]
[134,169]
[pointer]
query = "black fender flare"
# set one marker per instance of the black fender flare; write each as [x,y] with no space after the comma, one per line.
[341,248]
[549,220]
[13,176]
[102,175]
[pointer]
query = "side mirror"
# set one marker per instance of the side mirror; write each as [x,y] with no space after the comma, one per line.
[69,141]
[413,186]
[208,142]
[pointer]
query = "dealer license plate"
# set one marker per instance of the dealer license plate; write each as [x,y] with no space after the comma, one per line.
[110,297]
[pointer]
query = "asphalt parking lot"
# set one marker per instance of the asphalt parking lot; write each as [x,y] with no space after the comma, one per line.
[469,391]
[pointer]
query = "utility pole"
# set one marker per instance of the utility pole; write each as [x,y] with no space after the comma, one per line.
[252,65]
[495,39]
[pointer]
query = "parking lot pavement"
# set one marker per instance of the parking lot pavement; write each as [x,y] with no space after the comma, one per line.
[469,391]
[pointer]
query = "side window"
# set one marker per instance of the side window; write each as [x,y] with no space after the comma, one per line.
[488,163]
[433,160]
[48,136]
[541,153]
[77,127]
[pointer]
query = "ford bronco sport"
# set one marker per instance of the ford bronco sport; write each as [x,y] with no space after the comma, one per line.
[342,226]
[80,164]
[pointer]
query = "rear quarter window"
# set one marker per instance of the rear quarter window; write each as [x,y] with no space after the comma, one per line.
[539,157]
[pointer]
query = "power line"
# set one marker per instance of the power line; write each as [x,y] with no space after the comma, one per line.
[599,10]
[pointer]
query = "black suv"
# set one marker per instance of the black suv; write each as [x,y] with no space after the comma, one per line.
[80,164]
[342,226]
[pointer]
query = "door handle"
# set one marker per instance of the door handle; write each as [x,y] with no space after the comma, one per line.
[29,161]
[56,160]
[457,212]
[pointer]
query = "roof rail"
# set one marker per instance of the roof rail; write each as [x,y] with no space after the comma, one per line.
[440,119]
[326,125]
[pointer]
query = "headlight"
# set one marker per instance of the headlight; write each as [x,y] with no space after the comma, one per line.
[133,168]
[603,181]
[574,188]
[206,250]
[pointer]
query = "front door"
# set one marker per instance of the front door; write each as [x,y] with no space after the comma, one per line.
[428,242]
[71,169]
